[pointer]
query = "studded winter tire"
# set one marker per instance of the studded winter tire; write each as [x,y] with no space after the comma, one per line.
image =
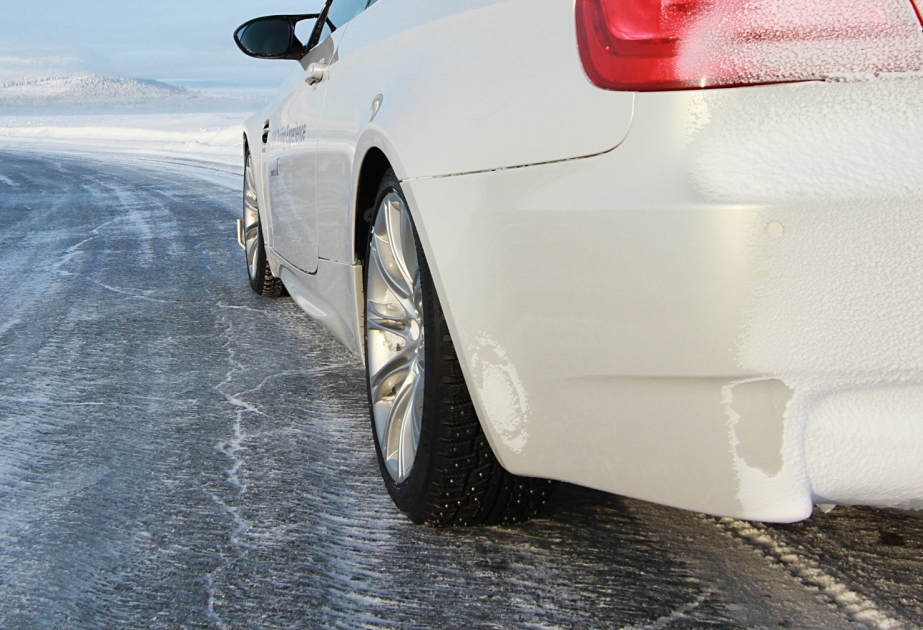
[261,279]
[435,460]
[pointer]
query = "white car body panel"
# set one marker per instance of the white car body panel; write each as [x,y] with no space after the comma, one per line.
[332,297]
[654,333]
[701,298]
[292,164]
[484,114]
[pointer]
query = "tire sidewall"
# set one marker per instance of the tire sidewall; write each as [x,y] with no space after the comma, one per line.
[256,283]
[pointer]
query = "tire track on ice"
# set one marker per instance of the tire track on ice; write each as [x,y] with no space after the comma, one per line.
[852,605]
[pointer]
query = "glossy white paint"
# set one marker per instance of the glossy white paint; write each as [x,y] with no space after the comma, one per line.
[444,113]
[330,296]
[668,337]
[488,83]
[690,312]
[294,127]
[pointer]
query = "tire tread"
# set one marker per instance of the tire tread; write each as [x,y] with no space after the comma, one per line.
[264,283]
[272,286]
[468,486]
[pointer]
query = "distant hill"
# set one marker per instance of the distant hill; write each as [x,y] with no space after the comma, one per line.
[86,92]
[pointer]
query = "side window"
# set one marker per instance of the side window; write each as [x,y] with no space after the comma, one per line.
[342,11]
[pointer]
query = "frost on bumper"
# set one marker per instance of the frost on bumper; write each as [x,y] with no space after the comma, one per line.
[835,305]
[760,41]
[501,393]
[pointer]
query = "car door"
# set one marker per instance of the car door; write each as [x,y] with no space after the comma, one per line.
[291,153]
[292,147]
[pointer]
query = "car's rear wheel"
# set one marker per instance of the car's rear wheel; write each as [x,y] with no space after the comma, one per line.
[433,455]
[261,279]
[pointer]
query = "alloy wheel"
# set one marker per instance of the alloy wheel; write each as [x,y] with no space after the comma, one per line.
[251,221]
[394,337]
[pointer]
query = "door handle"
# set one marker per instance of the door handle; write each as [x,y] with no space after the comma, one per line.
[315,73]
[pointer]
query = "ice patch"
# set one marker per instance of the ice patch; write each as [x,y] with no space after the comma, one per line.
[5,326]
[682,613]
[501,393]
[69,254]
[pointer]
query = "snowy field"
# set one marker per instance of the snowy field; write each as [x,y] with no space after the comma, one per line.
[206,144]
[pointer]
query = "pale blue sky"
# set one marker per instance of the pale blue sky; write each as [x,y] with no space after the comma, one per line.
[183,41]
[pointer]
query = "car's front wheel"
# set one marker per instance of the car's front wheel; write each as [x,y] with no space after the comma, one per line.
[433,455]
[261,279]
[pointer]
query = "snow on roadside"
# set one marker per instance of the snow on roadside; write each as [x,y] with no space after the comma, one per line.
[205,145]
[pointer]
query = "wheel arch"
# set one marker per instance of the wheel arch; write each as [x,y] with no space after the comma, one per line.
[374,166]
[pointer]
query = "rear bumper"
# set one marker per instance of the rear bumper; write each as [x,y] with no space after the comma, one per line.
[703,316]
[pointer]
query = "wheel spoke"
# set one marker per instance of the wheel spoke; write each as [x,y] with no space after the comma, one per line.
[249,184]
[400,238]
[389,270]
[399,434]
[252,251]
[410,432]
[394,336]
[402,306]
[251,220]
[392,310]
[249,181]
[252,231]
[409,250]
[390,371]
[378,321]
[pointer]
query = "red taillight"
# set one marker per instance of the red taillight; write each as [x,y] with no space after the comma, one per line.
[681,44]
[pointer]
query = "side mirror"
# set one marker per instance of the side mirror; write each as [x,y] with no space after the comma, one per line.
[272,37]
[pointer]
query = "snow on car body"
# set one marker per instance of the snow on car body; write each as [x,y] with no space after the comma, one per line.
[707,298]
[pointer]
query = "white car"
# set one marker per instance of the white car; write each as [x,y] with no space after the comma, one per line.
[670,249]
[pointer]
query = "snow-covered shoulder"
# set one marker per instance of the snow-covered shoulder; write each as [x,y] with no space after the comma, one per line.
[203,144]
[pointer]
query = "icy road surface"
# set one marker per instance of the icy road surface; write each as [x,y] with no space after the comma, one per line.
[178,452]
